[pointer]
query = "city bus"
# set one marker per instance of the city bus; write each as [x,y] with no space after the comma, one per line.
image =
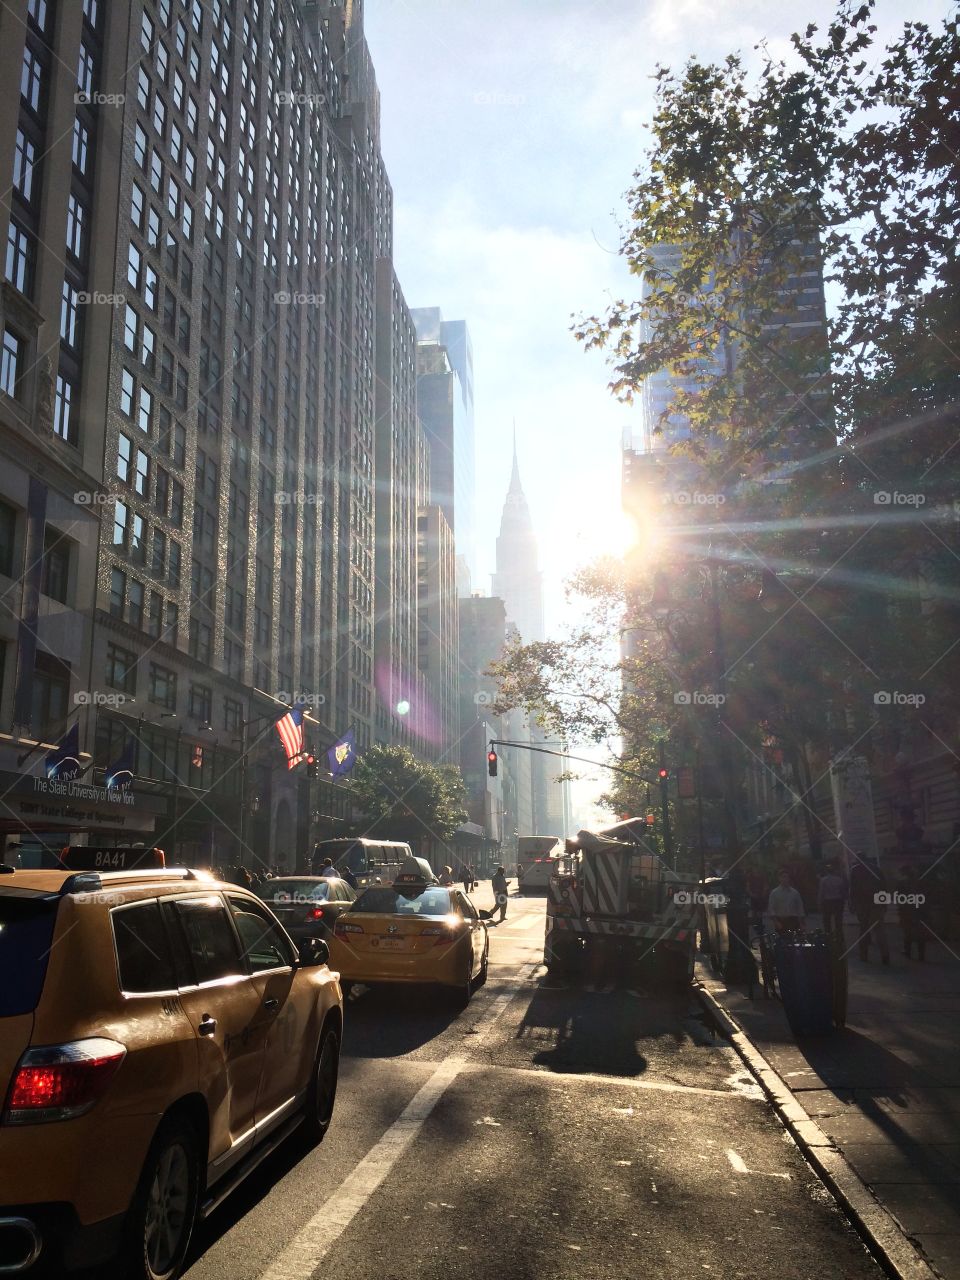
[536,858]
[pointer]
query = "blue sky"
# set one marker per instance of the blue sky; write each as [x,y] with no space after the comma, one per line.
[511,129]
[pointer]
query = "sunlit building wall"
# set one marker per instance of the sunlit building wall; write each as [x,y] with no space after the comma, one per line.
[198,219]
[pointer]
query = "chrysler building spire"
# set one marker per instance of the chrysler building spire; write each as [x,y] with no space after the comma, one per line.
[518,581]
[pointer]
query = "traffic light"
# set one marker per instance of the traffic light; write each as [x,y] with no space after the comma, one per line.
[313,770]
[663,774]
[651,819]
[492,763]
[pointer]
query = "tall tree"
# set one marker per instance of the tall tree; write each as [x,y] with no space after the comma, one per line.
[831,459]
[401,797]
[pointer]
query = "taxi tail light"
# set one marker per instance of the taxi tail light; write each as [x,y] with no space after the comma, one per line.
[315,913]
[59,1082]
[344,926]
[440,934]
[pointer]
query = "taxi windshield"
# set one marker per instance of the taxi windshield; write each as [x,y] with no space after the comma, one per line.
[295,890]
[382,900]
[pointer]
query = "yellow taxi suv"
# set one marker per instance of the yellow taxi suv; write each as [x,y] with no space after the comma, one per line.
[413,931]
[160,1034]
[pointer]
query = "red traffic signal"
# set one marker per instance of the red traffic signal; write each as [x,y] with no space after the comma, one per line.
[492,763]
[312,769]
[650,819]
[663,774]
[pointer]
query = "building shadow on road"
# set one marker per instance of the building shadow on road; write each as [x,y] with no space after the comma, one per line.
[387,1023]
[589,1031]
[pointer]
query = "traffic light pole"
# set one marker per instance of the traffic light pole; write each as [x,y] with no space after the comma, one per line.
[565,755]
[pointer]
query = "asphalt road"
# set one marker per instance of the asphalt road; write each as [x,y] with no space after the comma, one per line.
[544,1131]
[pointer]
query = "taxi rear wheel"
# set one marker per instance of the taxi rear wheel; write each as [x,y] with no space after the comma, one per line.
[463,991]
[322,1093]
[164,1207]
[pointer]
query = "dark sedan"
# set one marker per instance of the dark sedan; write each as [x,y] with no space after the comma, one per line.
[307,906]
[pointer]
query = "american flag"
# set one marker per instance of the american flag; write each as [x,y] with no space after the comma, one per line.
[290,729]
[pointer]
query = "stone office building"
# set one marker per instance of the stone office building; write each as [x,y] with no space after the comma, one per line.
[197,219]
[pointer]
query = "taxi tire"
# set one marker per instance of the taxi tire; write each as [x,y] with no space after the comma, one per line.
[461,994]
[318,1113]
[174,1132]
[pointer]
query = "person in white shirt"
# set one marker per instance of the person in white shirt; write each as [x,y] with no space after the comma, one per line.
[785,906]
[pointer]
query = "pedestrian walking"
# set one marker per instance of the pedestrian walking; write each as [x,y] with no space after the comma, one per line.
[499,883]
[785,905]
[758,891]
[831,899]
[328,870]
[913,912]
[869,896]
[350,878]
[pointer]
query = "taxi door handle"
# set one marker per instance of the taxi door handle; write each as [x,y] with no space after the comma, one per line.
[208,1025]
[272,1003]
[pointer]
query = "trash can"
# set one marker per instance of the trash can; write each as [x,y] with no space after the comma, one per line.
[805,976]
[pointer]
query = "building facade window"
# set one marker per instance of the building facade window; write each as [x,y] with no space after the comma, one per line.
[135,598]
[8,535]
[21,257]
[121,670]
[76,227]
[121,522]
[81,147]
[70,315]
[11,363]
[163,687]
[55,578]
[64,424]
[24,165]
[201,703]
[31,80]
[118,592]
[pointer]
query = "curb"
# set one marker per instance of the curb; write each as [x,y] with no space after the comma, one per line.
[877,1226]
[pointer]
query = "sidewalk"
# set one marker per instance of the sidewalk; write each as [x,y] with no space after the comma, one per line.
[886,1089]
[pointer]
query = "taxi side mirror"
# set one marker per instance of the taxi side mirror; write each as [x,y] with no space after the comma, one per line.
[313,952]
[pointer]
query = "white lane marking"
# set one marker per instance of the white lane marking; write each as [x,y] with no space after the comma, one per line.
[310,1245]
[739,1166]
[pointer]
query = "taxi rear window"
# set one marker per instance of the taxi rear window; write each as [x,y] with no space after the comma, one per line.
[143,950]
[384,901]
[26,932]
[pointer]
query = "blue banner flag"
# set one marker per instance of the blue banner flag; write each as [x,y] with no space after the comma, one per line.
[119,775]
[342,756]
[63,764]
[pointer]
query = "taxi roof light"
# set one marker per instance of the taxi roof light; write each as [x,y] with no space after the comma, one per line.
[81,857]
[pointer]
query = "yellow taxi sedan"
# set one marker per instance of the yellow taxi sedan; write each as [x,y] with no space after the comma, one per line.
[413,931]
